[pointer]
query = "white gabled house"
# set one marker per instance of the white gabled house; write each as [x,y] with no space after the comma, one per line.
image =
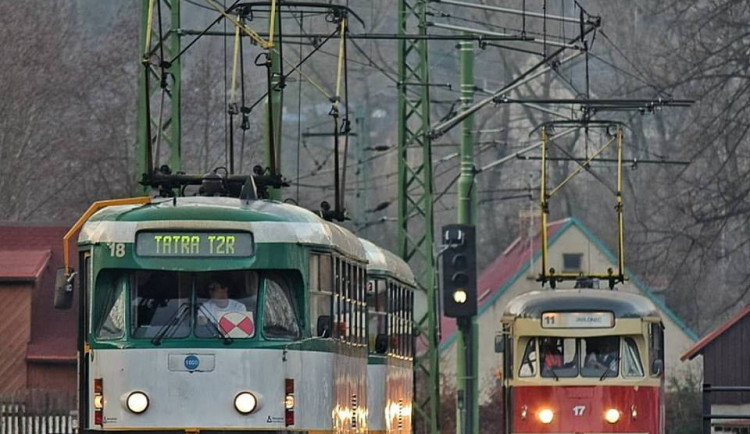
[571,248]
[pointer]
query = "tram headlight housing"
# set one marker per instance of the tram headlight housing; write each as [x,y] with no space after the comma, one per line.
[545,416]
[612,415]
[137,402]
[245,402]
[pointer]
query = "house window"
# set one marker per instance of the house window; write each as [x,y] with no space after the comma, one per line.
[572,261]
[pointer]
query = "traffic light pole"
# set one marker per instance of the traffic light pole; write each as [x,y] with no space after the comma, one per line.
[467,417]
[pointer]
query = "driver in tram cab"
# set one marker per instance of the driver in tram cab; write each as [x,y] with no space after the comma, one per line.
[603,357]
[219,303]
[551,357]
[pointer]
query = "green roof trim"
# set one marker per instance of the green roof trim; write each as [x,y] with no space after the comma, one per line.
[638,283]
[572,221]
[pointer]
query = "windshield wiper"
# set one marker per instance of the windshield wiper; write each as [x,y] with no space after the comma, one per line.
[211,319]
[554,374]
[609,368]
[177,317]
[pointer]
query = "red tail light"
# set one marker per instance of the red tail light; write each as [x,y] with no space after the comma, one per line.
[98,401]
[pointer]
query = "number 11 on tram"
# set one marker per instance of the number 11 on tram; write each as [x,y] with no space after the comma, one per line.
[582,361]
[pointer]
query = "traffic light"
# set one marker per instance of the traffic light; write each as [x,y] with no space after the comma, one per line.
[459,271]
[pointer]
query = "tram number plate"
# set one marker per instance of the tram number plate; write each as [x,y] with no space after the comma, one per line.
[557,320]
[194,244]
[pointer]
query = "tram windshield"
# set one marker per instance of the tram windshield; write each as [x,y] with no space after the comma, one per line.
[174,305]
[594,357]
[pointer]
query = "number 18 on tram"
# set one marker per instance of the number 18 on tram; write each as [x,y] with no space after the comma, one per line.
[582,361]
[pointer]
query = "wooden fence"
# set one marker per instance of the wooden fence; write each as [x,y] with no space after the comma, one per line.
[38,412]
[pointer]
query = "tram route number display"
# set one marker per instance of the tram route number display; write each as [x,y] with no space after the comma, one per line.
[573,320]
[194,244]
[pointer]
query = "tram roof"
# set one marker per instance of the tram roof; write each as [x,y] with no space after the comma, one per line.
[621,304]
[269,221]
[383,261]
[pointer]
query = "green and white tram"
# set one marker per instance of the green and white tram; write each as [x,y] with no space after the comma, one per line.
[292,356]
[390,302]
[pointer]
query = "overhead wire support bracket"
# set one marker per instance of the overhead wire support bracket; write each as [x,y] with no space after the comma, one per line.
[513,11]
[370,36]
[503,36]
[267,45]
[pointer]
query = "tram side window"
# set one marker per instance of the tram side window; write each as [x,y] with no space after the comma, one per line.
[631,360]
[410,322]
[157,299]
[352,302]
[342,301]
[363,285]
[402,320]
[528,363]
[110,305]
[338,302]
[377,314]
[279,313]
[392,319]
[321,291]
[656,349]
[348,314]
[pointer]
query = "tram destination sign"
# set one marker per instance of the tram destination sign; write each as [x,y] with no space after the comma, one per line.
[194,244]
[577,320]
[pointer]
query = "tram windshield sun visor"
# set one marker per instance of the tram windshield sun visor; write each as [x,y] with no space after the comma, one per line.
[166,305]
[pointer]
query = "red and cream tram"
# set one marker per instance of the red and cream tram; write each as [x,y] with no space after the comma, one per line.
[582,361]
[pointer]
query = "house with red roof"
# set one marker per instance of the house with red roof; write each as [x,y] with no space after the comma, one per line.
[726,362]
[37,342]
[572,247]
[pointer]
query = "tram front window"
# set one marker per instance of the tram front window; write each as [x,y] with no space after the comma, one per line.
[226,304]
[280,315]
[160,304]
[528,364]
[602,356]
[111,306]
[593,357]
[558,357]
[166,305]
[631,360]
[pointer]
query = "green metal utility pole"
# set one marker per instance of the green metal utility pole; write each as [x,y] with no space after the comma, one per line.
[467,421]
[166,111]
[274,105]
[415,199]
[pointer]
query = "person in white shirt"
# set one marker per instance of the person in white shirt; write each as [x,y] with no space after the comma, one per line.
[219,303]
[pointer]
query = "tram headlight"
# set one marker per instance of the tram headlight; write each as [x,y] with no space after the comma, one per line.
[245,402]
[137,402]
[612,415]
[545,416]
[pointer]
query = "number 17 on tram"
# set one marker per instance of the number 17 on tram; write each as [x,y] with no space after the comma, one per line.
[582,361]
